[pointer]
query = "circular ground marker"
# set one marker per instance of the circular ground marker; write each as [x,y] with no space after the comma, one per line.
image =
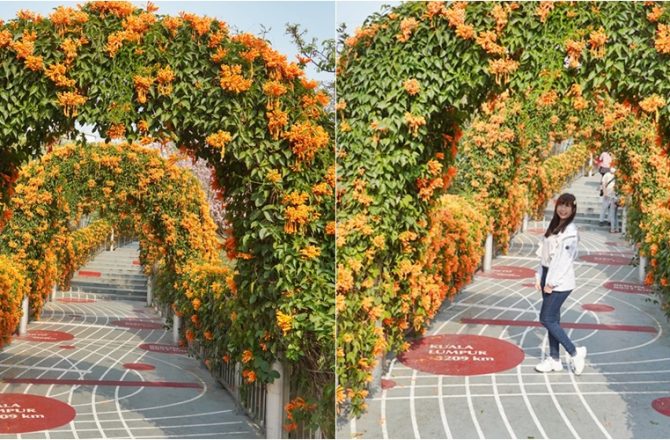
[509,273]
[47,336]
[606,258]
[597,307]
[662,405]
[67,347]
[75,300]
[140,367]
[137,323]
[462,355]
[163,348]
[387,384]
[621,286]
[21,413]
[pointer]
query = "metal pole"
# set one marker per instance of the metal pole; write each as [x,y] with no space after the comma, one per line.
[274,404]
[23,324]
[488,253]
[624,216]
[150,298]
[642,268]
[176,328]
[524,225]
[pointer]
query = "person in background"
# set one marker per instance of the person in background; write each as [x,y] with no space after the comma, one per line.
[555,278]
[604,162]
[611,189]
[607,192]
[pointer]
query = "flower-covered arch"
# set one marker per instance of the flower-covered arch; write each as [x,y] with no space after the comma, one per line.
[409,85]
[229,99]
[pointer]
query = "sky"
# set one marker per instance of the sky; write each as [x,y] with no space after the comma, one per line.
[316,17]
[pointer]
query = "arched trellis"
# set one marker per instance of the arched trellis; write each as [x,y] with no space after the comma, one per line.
[163,204]
[229,99]
[410,79]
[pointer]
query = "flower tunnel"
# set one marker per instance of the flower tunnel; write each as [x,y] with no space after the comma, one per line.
[470,116]
[230,99]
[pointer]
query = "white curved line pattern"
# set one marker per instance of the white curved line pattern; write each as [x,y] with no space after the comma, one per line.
[100,351]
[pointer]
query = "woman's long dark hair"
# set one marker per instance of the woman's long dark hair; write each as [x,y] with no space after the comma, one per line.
[555,225]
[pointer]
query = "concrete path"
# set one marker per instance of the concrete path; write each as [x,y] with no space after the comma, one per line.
[460,385]
[100,368]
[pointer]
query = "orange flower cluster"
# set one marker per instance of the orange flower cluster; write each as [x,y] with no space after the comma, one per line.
[277,120]
[172,24]
[63,17]
[274,89]
[201,25]
[117,8]
[310,252]
[232,79]
[216,38]
[407,26]
[70,48]
[56,73]
[455,15]
[655,14]
[5,38]
[414,122]
[652,103]
[574,49]
[502,68]
[25,46]
[297,214]
[249,376]
[219,140]
[547,99]
[34,63]
[412,87]
[501,12]
[597,40]
[164,78]
[13,286]
[662,41]
[435,9]
[297,404]
[70,101]
[306,139]
[366,33]
[116,131]
[284,321]
[543,10]
[142,85]
[487,40]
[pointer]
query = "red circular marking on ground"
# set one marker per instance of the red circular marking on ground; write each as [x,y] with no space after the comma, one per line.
[606,258]
[89,273]
[47,336]
[67,347]
[163,348]
[509,273]
[387,384]
[75,300]
[462,355]
[137,323]
[662,405]
[597,307]
[140,367]
[621,286]
[20,413]
[538,231]
[136,262]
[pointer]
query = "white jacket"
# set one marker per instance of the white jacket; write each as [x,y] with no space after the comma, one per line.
[561,273]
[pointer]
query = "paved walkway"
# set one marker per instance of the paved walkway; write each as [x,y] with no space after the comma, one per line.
[112,372]
[459,385]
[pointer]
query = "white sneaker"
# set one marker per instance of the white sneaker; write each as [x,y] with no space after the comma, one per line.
[579,360]
[549,364]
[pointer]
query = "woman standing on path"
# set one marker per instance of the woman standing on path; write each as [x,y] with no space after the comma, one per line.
[556,279]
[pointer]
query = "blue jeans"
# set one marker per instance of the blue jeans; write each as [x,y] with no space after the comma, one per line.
[550,318]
